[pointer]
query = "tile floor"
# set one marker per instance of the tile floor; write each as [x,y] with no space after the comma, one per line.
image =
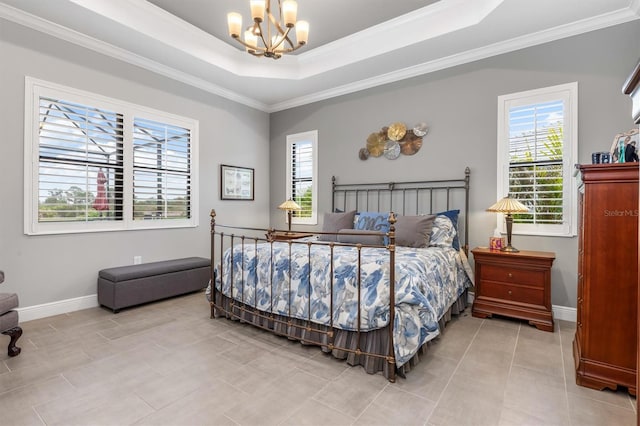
[168,363]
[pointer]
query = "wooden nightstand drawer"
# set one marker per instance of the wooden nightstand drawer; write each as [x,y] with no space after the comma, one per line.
[513,275]
[513,293]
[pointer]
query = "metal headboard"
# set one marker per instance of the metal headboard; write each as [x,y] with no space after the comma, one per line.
[406,198]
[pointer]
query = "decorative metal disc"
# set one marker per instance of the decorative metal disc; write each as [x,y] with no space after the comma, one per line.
[396,131]
[392,150]
[420,129]
[375,144]
[363,154]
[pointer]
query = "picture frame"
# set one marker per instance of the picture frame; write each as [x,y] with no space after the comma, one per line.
[236,183]
[626,137]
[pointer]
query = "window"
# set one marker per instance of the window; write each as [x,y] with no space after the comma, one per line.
[98,164]
[302,172]
[537,147]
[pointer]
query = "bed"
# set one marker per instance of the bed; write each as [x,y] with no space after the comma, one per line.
[373,287]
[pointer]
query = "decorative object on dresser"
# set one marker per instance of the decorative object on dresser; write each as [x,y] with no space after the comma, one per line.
[604,347]
[623,148]
[290,206]
[508,205]
[514,284]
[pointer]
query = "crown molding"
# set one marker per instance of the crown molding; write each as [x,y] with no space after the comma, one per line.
[586,25]
[47,27]
[608,19]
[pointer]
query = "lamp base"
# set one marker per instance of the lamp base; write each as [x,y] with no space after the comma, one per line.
[510,249]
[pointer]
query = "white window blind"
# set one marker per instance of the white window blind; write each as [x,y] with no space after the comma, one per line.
[161,171]
[537,147]
[302,175]
[94,163]
[79,164]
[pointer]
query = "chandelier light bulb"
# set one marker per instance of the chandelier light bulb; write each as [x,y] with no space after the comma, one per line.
[289,12]
[257,10]
[234,21]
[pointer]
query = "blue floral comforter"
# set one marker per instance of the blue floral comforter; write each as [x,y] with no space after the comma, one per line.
[428,281]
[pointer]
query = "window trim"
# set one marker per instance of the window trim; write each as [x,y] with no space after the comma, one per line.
[312,136]
[569,94]
[34,90]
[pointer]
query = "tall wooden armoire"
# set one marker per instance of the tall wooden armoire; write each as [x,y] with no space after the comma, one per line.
[605,347]
[632,88]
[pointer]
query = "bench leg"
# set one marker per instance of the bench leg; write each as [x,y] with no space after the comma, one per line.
[15,334]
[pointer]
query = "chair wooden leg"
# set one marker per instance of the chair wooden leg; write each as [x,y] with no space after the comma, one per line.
[15,334]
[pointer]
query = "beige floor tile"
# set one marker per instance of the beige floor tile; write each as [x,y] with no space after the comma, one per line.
[312,413]
[585,411]
[538,395]
[396,407]
[353,391]
[277,404]
[468,403]
[541,356]
[515,417]
[95,408]
[429,378]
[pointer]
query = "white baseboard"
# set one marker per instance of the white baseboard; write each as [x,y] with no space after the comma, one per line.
[56,308]
[565,313]
[85,302]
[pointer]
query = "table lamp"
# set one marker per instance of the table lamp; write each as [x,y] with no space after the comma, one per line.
[289,206]
[508,205]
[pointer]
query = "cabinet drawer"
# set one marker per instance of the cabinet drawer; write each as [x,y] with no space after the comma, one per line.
[514,293]
[511,275]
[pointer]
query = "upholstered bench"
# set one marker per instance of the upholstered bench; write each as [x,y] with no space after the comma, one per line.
[131,285]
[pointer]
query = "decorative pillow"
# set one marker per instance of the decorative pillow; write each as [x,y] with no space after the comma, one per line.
[373,221]
[442,232]
[360,236]
[334,222]
[453,216]
[414,231]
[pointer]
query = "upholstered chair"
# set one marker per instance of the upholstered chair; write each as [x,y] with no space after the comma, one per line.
[9,319]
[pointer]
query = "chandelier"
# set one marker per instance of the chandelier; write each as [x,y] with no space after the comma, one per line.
[270,38]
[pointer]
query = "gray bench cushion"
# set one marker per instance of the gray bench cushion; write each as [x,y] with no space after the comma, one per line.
[131,272]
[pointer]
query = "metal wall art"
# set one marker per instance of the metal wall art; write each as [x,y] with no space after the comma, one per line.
[394,140]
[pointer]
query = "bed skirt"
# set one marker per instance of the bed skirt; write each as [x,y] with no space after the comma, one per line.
[371,342]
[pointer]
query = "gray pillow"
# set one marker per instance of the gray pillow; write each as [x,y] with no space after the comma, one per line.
[334,222]
[414,231]
[360,236]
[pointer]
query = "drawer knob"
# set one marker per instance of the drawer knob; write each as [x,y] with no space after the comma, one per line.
[510,275]
[509,292]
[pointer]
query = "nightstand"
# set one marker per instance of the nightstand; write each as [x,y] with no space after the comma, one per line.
[515,285]
[286,236]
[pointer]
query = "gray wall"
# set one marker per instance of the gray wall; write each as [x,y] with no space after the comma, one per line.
[460,106]
[51,268]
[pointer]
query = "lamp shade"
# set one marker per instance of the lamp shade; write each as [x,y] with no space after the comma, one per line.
[508,205]
[289,205]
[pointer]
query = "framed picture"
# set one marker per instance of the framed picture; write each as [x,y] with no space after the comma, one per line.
[236,183]
[630,137]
